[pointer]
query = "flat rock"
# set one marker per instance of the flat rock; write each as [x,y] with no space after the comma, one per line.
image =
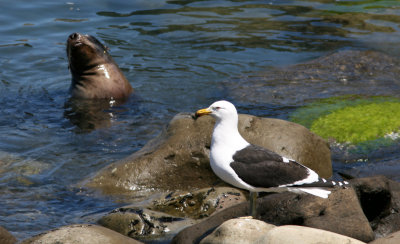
[238,231]
[292,234]
[80,234]
[178,159]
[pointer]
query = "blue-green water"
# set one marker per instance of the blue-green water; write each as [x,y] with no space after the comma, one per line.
[176,54]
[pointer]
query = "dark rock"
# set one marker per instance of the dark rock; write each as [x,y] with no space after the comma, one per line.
[340,213]
[179,158]
[80,234]
[6,237]
[380,200]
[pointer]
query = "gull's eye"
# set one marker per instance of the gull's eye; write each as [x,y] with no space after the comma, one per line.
[217,108]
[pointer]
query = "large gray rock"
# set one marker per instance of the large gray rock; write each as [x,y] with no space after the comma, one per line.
[340,213]
[292,234]
[238,231]
[178,159]
[80,234]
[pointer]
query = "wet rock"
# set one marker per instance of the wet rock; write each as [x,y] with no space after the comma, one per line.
[199,204]
[380,200]
[144,224]
[238,231]
[80,234]
[393,238]
[178,159]
[340,213]
[6,237]
[342,73]
[291,234]
[166,216]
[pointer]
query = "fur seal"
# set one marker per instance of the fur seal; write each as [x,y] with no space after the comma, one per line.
[94,72]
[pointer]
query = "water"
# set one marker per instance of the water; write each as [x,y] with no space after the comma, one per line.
[176,54]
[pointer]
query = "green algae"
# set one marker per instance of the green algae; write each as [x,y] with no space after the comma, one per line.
[359,123]
[352,119]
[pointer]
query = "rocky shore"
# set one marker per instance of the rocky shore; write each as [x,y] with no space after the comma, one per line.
[184,202]
[364,212]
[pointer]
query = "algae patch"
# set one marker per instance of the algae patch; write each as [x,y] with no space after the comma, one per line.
[351,119]
[359,123]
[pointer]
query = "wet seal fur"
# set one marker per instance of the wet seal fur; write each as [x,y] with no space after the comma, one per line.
[94,72]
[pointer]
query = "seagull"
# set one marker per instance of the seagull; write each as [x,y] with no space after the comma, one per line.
[255,168]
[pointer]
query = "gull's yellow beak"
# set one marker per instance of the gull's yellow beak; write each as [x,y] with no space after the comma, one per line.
[202,112]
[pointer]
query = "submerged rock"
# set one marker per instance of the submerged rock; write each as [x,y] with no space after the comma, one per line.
[342,73]
[80,234]
[178,159]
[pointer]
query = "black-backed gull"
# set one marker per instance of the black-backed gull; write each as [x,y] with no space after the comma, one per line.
[254,168]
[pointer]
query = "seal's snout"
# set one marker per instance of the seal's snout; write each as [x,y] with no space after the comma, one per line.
[74,36]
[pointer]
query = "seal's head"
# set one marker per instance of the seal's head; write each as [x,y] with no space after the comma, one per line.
[85,51]
[94,72]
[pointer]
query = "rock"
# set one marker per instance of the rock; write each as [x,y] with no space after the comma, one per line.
[166,216]
[144,224]
[340,213]
[393,238]
[380,200]
[6,237]
[80,234]
[238,231]
[199,204]
[291,234]
[341,73]
[178,159]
